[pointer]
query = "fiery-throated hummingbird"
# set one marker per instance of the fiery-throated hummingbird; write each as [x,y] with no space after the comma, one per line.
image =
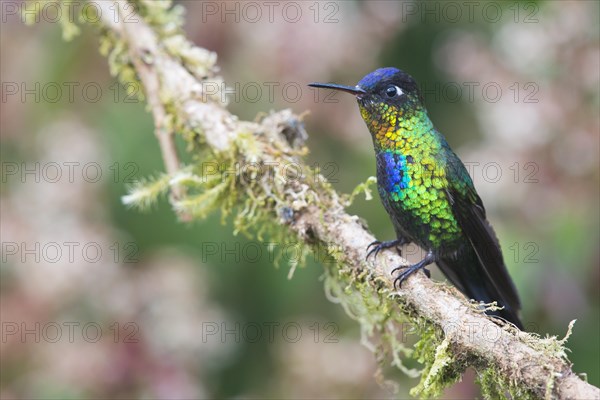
[428,193]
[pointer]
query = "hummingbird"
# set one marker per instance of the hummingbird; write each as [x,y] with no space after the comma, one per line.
[428,193]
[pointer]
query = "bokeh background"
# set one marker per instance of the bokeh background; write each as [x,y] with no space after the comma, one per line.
[101,301]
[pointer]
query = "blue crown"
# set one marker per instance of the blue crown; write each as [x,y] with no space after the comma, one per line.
[370,80]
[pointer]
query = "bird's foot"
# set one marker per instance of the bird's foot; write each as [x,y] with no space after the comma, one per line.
[377,246]
[410,269]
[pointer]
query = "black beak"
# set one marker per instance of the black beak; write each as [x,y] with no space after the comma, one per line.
[355,90]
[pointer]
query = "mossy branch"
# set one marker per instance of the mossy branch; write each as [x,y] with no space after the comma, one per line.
[452,333]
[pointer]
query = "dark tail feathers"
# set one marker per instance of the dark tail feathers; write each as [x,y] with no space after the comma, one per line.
[469,276]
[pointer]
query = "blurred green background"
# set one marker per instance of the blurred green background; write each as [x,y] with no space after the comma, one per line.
[170,310]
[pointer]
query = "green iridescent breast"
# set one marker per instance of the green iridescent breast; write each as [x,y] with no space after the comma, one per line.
[412,176]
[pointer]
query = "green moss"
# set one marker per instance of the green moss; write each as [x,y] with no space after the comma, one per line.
[441,368]
[381,316]
[146,192]
[365,188]
[495,386]
[161,15]
[119,62]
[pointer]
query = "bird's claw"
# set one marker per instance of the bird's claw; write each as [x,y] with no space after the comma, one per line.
[410,269]
[403,276]
[378,246]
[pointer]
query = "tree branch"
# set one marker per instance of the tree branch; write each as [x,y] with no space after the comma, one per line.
[531,364]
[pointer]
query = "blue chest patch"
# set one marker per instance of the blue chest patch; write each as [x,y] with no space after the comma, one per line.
[395,168]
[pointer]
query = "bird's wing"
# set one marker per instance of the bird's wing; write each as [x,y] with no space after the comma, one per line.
[470,214]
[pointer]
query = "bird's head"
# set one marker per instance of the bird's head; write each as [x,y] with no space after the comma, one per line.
[384,96]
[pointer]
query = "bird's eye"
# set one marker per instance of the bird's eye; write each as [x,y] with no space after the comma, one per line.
[393,91]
